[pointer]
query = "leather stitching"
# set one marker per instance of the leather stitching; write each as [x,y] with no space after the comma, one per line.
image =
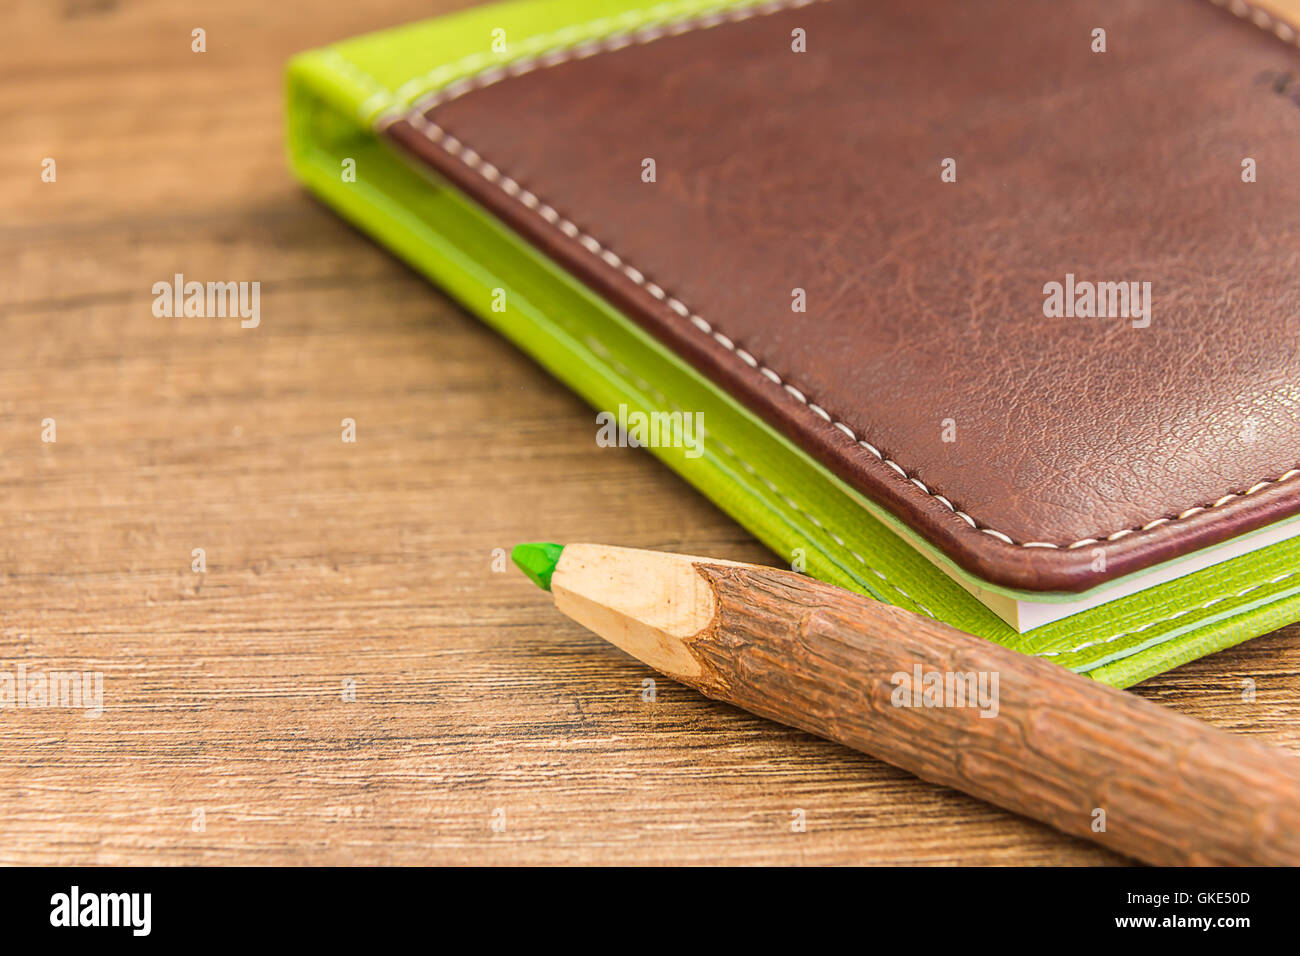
[1261,18]
[389,104]
[599,349]
[1172,617]
[466,155]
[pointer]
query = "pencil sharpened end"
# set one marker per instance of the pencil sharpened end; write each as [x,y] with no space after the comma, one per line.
[537,560]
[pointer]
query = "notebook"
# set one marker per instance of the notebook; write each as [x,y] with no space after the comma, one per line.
[989,311]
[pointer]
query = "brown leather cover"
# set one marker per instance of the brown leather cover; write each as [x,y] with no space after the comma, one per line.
[1077,439]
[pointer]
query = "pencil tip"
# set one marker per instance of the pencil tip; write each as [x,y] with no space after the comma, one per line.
[537,560]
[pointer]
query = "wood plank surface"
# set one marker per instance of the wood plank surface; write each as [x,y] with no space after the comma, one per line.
[226,735]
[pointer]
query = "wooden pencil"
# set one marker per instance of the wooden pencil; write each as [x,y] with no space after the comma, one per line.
[1015,730]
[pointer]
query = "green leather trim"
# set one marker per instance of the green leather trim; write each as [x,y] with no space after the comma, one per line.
[392,68]
[785,498]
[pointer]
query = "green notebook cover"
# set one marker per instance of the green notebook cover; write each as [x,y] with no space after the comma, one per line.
[338,96]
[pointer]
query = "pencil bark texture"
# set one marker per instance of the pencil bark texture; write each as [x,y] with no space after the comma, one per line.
[1088,759]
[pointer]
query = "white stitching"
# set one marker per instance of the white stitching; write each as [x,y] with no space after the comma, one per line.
[1171,617]
[378,90]
[491,75]
[598,347]
[1262,19]
[447,75]
[614,33]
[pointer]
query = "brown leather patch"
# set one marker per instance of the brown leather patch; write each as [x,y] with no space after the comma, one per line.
[926,304]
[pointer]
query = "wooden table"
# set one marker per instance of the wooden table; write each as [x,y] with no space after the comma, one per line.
[227,734]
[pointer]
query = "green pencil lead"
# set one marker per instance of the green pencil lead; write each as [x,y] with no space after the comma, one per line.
[537,560]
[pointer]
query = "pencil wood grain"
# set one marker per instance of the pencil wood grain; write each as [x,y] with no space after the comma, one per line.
[1012,729]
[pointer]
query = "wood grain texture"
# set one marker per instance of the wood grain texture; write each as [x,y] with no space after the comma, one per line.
[1012,729]
[370,561]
